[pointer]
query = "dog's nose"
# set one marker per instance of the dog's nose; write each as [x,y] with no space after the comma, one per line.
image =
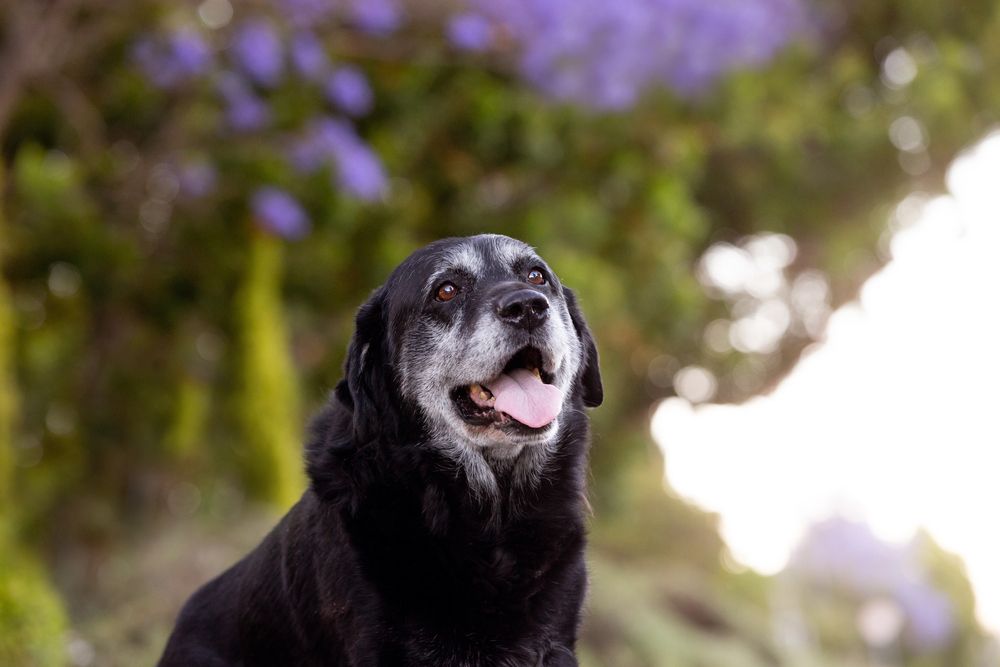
[523,308]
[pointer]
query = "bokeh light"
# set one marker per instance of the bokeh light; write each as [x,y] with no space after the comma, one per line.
[889,419]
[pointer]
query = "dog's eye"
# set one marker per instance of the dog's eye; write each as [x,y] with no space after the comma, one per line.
[446,291]
[536,277]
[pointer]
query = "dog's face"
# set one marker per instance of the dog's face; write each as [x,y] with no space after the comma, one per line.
[479,337]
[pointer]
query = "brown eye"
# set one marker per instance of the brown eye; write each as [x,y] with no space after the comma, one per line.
[536,277]
[446,292]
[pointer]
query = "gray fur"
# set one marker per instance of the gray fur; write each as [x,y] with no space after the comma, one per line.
[437,358]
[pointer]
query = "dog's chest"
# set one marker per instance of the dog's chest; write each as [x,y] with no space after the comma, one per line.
[427,647]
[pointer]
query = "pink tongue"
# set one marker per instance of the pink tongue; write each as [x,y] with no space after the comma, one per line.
[526,398]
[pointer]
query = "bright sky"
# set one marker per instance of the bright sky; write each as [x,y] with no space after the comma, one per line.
[894,418]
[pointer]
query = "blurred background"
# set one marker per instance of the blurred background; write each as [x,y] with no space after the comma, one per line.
[781,217]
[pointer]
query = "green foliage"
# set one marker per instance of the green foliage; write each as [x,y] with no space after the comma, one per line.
[187,429]
[648,617]
[270,450]
[8,391]
[32,621]
[653,526]
[832,609]
[947,573]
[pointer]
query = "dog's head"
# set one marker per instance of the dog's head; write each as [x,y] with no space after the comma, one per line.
[476,343]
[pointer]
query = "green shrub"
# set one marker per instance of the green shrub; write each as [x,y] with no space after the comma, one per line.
[269,451]
[32,621]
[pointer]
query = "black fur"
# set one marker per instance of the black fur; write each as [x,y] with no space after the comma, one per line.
[390,558]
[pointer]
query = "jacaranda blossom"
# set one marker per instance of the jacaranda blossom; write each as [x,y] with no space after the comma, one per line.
[279,213]
[348,88]
[470,32]
[607,54]
[308,56]
[173,59]
[245,111]
[848,556]
[306,13]
[333,142]
[257,50]
[378,17]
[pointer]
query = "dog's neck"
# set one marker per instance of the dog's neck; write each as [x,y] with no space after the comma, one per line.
[495,488]
[492,472]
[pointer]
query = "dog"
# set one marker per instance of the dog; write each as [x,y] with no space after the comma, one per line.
[444,520]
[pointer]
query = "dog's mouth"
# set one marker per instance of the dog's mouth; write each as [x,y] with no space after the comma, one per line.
[522,396]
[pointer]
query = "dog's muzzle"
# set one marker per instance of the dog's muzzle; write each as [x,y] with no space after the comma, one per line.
[522,395]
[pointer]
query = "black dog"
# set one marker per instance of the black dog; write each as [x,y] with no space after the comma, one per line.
[444,522]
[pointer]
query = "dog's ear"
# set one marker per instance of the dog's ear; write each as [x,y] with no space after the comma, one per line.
[367,385]
[590,376]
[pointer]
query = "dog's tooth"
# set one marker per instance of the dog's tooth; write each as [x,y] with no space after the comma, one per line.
[537,373]
[475,389]
[483,395]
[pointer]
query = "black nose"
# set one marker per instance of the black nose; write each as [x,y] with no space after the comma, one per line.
[523,308]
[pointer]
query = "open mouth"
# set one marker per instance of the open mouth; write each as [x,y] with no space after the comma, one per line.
[522,396]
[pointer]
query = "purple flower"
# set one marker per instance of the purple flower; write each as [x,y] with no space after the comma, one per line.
[333,142]
[470,32]
[348,89]
[311,151]
[279,213]
[183,55]
[246,114]
[378,17]
[147,55]
[197,179]
[257,50]
[190,52]
[307,12]
[607,54]
[929,614]
[308,56]
[359,172]
[847,554]
[244,110]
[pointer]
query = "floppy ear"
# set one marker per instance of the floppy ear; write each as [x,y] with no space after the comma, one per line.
[367,386]
[590,376]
